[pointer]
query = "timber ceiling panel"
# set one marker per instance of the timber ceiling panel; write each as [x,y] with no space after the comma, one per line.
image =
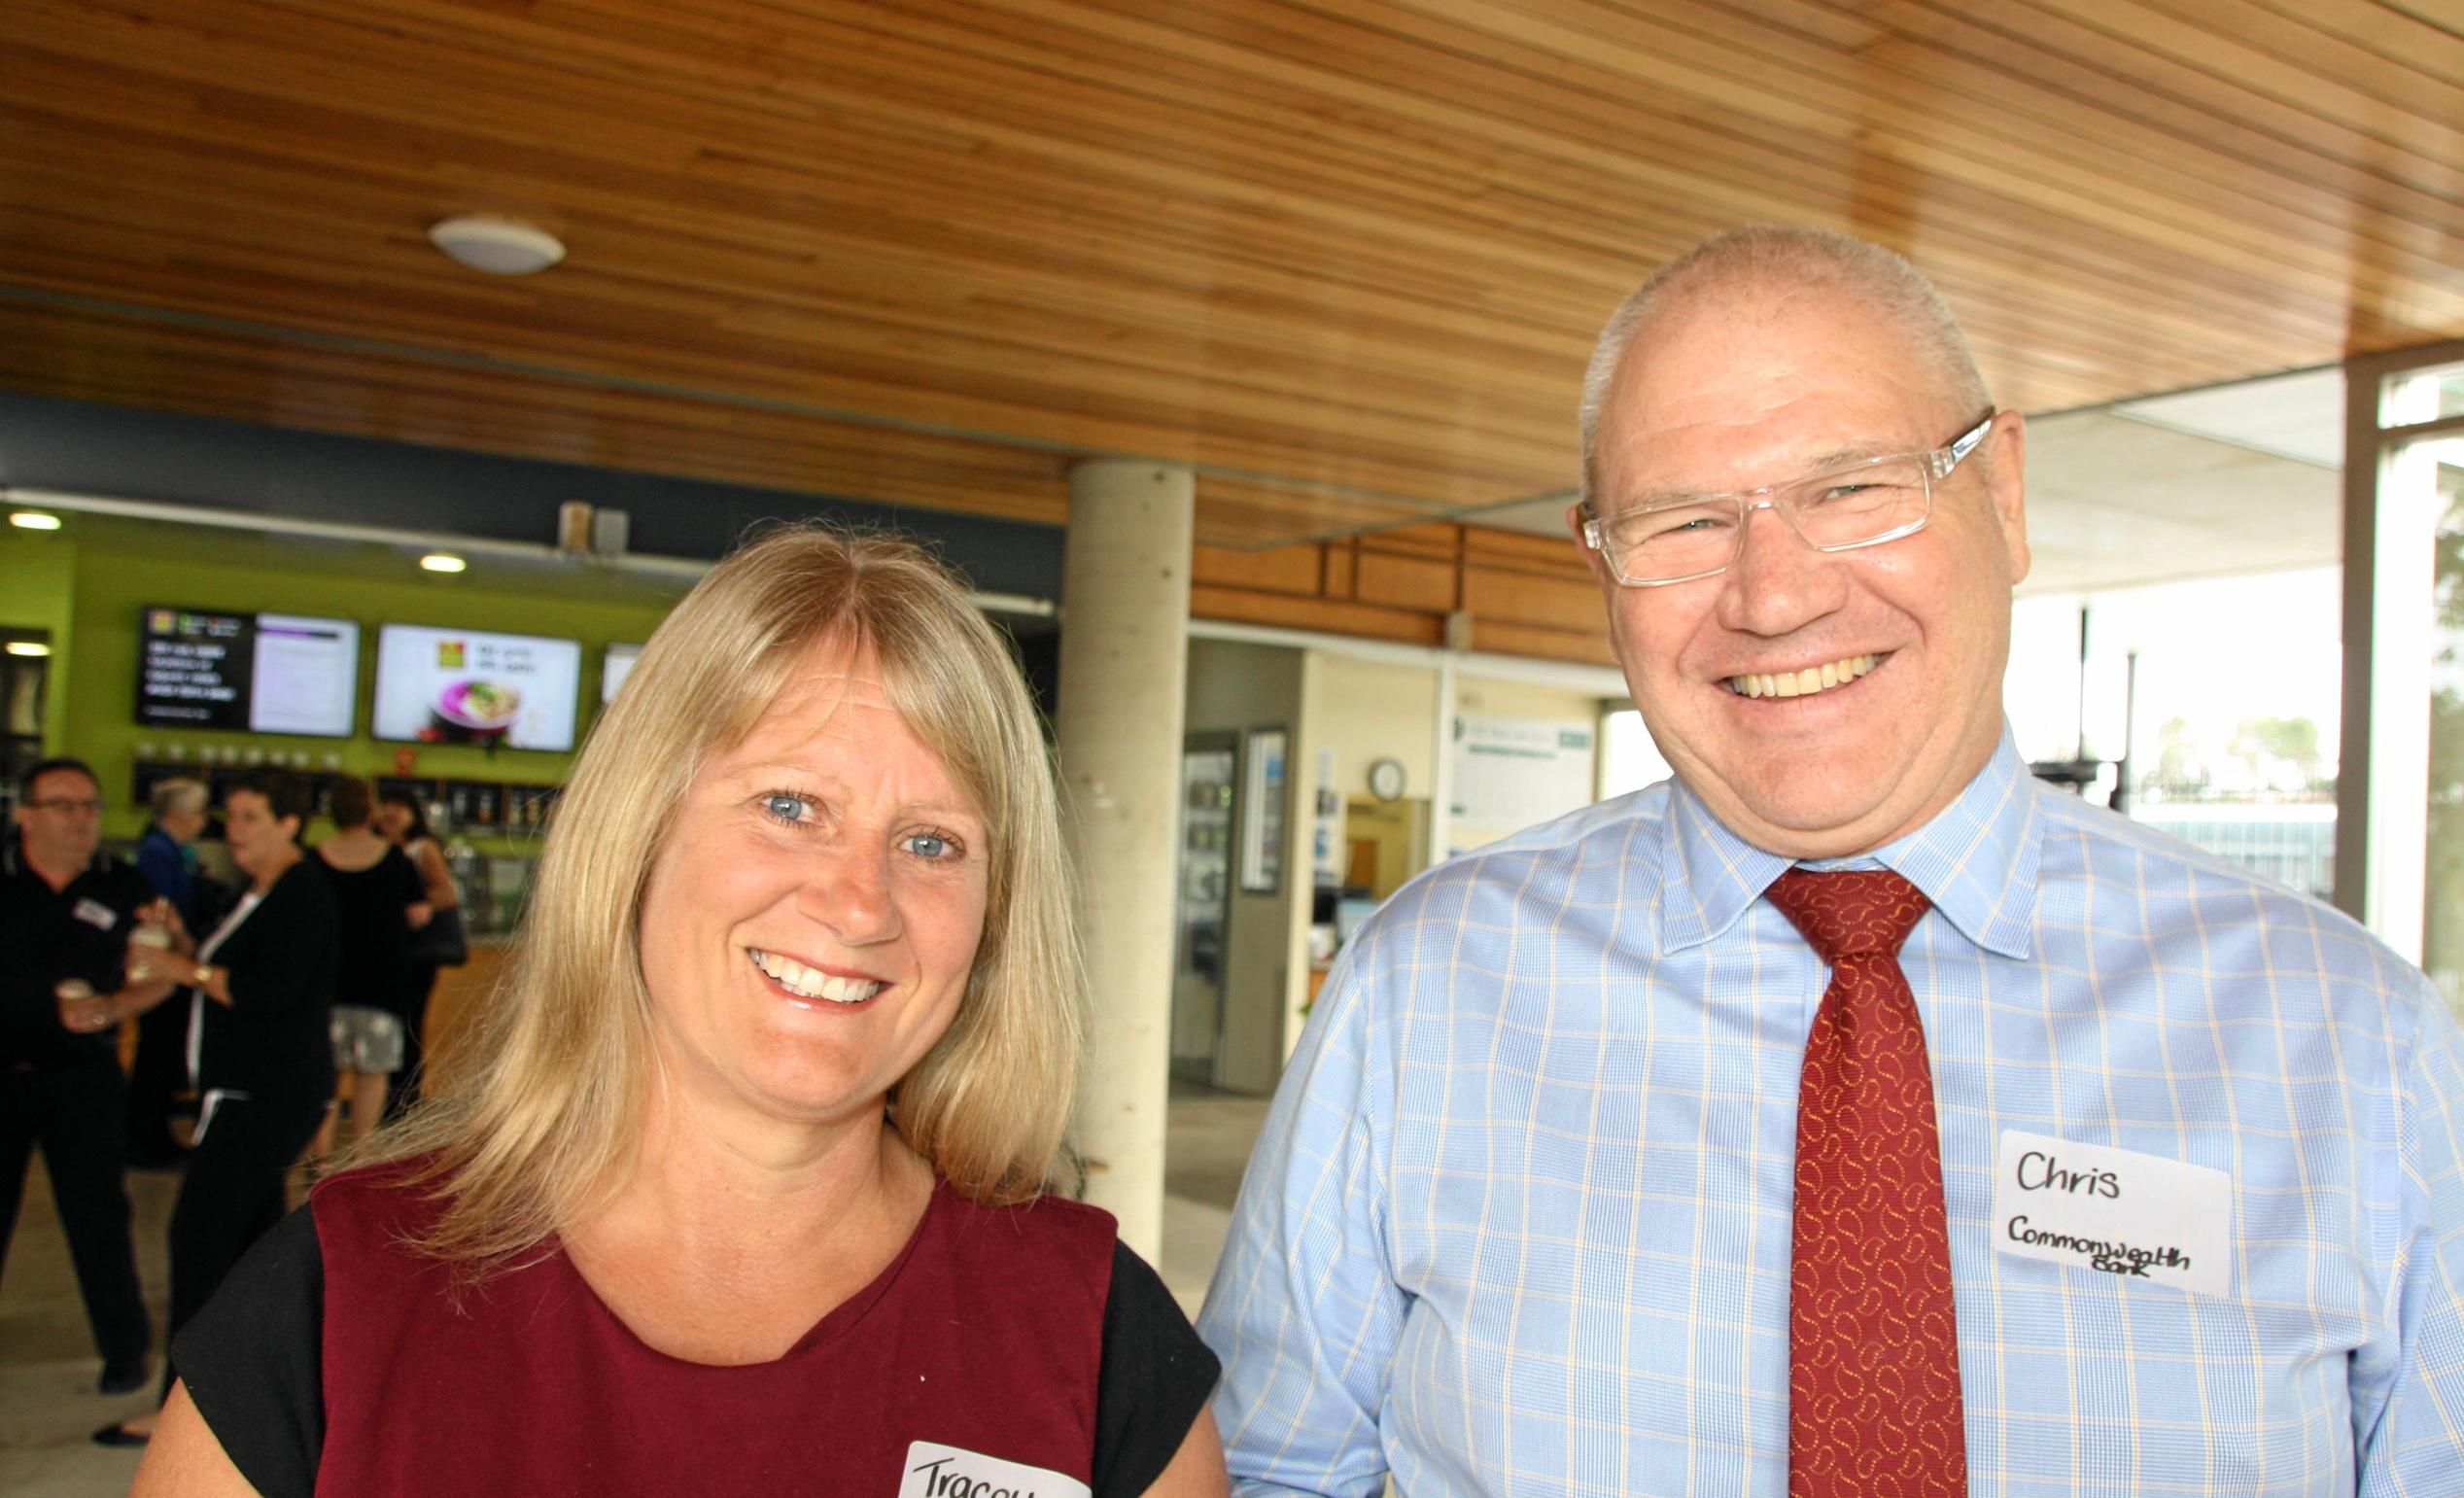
[1346,257]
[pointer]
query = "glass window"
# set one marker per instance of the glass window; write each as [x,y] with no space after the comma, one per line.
[2426,480]
[1628,760]
[2417,396]
[2220,696]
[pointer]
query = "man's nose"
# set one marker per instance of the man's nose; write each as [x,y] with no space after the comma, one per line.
[1778,583]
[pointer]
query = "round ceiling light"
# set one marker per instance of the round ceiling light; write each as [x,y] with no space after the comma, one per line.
[500,247]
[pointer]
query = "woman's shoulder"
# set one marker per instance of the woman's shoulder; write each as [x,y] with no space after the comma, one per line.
[382,1205]
[1050,1234]
[308,882]
[1048,1213]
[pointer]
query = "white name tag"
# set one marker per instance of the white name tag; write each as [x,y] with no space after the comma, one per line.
[2092,1208]
[935,1471]
[95,913]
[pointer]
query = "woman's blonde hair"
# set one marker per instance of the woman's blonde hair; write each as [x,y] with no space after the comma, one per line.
[539,1106]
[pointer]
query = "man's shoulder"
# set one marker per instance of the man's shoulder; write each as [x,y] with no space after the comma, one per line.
[126,882]
[1599,857]
[1606,834]
[106,878]
[2084,839]
[2089,848]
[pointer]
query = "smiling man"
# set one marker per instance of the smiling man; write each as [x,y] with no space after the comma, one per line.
[66,911]
[1851,1114]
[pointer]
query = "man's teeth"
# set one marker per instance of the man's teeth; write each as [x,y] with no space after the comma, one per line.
[803,983]
[1800,684]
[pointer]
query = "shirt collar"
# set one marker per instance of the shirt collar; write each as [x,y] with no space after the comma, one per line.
[1976,861]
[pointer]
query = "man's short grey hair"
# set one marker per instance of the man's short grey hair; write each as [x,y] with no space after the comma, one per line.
[173,797]
[1787,257]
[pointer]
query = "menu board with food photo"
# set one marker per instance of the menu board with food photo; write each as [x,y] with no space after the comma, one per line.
[463,686]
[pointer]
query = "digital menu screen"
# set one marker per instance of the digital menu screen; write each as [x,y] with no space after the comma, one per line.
[617,666]
[465,687]
[265,672]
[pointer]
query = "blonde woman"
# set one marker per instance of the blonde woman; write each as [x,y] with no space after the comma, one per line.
[744,1185]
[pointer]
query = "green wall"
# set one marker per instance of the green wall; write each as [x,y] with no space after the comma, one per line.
[38,572]
[98,589]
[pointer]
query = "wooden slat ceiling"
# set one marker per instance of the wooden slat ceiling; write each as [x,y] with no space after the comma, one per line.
[1347,256]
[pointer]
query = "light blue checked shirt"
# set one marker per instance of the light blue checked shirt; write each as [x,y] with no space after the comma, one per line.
[1519,1220]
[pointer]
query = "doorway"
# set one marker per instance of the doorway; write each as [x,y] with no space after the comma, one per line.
[1203,905]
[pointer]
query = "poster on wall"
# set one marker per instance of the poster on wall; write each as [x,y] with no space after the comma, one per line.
[1511,772]
[468,686]
[1262,811]
[260,672]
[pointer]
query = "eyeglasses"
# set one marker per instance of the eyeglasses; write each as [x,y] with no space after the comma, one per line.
[1860,503]
[69,804]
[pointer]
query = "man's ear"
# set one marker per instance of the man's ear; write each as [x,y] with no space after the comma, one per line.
[1596,561]
[2007,487]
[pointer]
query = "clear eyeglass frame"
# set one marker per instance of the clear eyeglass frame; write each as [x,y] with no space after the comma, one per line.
[1935,463]
[94,805]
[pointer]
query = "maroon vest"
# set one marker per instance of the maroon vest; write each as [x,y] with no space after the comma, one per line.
[984,1335]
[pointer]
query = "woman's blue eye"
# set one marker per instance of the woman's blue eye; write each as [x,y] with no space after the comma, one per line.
[930,845]
[785,806]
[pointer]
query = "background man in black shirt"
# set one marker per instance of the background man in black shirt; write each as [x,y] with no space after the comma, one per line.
[66,911]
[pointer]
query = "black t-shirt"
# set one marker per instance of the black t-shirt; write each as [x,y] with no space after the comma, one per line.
[47,936]
[259,1346]
[374,930]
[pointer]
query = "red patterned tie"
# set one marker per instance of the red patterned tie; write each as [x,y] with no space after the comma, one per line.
[1874,1407]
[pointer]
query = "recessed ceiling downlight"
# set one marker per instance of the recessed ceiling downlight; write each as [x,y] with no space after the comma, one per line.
[500,247]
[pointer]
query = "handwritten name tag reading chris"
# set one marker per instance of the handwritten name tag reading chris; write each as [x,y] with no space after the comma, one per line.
[2094,1207]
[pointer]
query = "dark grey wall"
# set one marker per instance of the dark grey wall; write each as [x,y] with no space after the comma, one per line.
[127,453]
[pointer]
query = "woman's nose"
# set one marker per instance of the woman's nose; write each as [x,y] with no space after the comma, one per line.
[849,892]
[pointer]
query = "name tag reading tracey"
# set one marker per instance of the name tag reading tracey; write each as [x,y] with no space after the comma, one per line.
[935,1471]
[2094,1207]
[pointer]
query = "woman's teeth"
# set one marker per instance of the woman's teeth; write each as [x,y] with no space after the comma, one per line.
[1801,683]
[803,983]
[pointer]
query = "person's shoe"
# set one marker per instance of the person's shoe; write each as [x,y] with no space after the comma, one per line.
[123,1375]
[115,1434]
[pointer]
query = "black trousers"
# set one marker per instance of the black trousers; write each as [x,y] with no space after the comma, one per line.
[155,1081]
[79,1115]
[231,1194]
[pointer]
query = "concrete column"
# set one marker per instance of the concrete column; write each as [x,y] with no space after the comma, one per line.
[1123,662]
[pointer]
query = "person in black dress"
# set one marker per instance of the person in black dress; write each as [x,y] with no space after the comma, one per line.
[400,822]
[380,901]
[260,986]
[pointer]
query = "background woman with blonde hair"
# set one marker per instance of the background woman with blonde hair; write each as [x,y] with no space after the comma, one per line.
[744,1183]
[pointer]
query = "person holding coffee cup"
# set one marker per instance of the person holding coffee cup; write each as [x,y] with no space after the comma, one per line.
[67,911]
